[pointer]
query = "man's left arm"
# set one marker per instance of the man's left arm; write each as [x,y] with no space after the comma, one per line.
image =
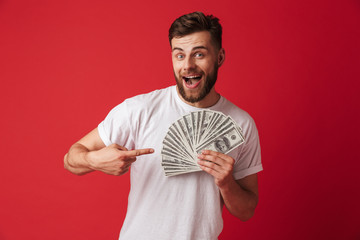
[240,196]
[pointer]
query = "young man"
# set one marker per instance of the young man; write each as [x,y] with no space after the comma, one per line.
[187,206]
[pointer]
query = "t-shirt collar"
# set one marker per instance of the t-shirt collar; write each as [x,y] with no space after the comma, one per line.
[215,107]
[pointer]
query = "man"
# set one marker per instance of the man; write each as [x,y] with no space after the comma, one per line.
[187,206]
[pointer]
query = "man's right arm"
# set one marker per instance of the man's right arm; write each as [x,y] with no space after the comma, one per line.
[90,154]
[75,160]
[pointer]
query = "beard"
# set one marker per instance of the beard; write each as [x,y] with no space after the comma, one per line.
[209,84]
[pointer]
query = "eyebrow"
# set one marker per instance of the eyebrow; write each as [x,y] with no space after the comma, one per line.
[194,48]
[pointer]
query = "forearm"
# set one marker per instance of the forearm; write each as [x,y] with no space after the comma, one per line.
[240,196]
[240,202]
[75,160]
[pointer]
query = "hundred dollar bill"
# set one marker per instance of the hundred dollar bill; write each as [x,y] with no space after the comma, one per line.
[179,126]
[168,160]
[173,154]
[220,128]
[177,142]
[205,118]
[190,127]
[224,143]
[169,173]
[214,125]
[194,120]
[177,150]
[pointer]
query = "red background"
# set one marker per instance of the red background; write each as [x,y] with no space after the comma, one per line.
[293,65]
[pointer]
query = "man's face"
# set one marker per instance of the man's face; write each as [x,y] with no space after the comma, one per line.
[195,62]
[222,146]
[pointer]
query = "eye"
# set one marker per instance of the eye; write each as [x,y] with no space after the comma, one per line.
[180,56]
[199,55]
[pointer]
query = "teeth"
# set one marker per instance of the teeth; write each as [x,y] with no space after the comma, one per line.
[192,77]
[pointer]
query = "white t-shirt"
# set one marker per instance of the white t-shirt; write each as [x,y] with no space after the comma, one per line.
[186,206]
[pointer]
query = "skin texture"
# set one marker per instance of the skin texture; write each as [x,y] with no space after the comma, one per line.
[193,55]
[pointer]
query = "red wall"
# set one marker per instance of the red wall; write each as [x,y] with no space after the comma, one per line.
[293,65]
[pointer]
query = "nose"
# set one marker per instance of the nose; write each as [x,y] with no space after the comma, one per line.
[189,64]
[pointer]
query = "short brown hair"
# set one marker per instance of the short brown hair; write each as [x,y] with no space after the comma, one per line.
[196,22]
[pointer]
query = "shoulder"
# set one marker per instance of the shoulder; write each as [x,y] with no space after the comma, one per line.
[144,101]
[240,116]
[149,99]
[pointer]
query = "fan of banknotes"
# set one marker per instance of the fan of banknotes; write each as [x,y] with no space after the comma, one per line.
[191,134]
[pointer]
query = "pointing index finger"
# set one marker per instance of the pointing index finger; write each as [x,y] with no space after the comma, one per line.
[138,152]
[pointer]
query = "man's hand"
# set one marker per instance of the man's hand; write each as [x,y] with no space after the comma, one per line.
[240,196]
[114,159]
[219,165]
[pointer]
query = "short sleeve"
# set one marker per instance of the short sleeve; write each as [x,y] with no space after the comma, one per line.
[115,128]
[248,160]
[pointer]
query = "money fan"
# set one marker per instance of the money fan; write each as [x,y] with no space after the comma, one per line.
[194,132]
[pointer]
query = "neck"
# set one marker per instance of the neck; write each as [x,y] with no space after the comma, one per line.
[210,100]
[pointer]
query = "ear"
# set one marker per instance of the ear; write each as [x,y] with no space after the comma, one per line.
[221,57]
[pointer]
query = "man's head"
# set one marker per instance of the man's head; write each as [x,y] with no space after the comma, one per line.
[197,54]
[197,22]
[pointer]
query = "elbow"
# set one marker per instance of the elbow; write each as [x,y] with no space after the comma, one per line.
[246,213]
[72,169]
[77,173]
[245,216]
[68,167]
[66,164]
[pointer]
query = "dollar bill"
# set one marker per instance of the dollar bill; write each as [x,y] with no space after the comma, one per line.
[224,143]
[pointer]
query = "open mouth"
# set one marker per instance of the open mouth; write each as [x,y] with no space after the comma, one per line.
[192,81]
